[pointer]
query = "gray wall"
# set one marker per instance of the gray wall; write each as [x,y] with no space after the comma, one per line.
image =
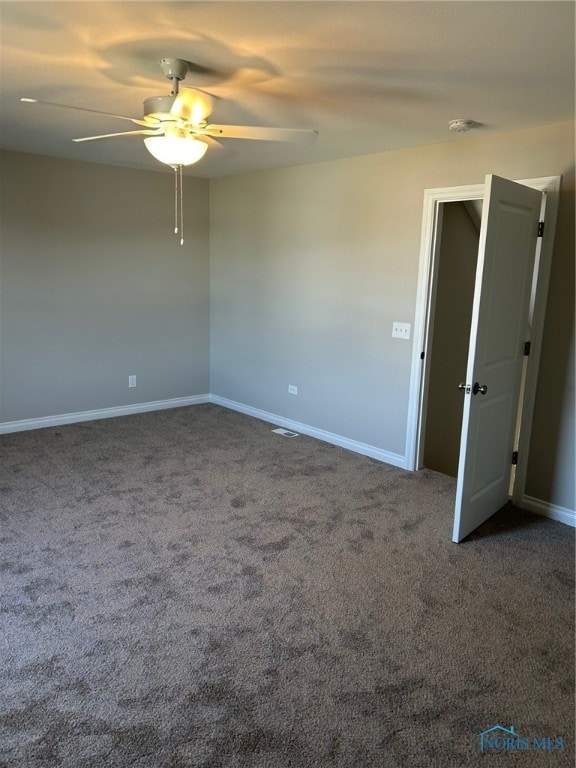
[552,451]
[458,256]
[95,286]
[311,265]
[309,268]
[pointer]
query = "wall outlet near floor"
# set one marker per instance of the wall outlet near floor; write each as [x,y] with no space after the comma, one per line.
[132,381]
[401,330]
[292,390]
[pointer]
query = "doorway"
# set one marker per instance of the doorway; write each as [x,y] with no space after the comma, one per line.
[450,334]
[448,295]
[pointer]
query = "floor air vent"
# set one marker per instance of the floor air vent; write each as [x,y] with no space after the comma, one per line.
[285,432]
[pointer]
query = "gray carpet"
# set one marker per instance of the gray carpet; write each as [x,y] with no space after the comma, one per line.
[186,588]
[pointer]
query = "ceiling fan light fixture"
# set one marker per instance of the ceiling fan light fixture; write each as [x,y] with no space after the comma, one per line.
[176,150]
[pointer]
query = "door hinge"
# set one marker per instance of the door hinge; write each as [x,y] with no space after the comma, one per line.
[526,348]
[515,457]
[421,355]
[540,229]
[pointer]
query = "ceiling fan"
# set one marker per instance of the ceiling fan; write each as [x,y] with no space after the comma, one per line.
[179,120]
[175,125]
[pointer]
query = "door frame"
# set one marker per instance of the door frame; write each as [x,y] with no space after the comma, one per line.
[424,315]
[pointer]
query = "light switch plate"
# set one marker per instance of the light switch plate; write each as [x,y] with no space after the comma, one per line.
[401,330]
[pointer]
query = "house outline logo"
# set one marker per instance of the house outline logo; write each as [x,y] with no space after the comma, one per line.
[510,732]
[506,739]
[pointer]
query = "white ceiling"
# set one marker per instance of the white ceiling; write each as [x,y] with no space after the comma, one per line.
[369,76]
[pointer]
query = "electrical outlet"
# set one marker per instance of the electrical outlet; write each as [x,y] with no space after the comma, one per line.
[401,330]
[292,390]
[132,381]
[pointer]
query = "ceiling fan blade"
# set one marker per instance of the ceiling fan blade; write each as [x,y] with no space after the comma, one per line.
[134,120]
[156,132]
[192,105]
[261,134]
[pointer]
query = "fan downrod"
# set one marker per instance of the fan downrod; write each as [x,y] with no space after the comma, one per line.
[174,70]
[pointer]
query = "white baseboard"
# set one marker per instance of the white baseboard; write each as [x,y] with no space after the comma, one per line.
[562,514]
[101,413]
[553,511]
[328,437]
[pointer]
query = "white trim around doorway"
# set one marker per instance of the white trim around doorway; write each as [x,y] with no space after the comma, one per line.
[427,272]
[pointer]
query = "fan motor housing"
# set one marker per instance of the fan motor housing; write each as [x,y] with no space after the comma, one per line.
[159,107]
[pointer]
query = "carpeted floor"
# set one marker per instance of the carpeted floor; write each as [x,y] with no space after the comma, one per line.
[186,588]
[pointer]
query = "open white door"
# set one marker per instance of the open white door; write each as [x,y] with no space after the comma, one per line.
[508,238]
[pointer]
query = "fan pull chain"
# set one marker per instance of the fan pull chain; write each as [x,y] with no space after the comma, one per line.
[175,199]
[181,209]
[178,202]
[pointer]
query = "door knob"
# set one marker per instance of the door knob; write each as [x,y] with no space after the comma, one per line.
[477,388]
[463,387]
